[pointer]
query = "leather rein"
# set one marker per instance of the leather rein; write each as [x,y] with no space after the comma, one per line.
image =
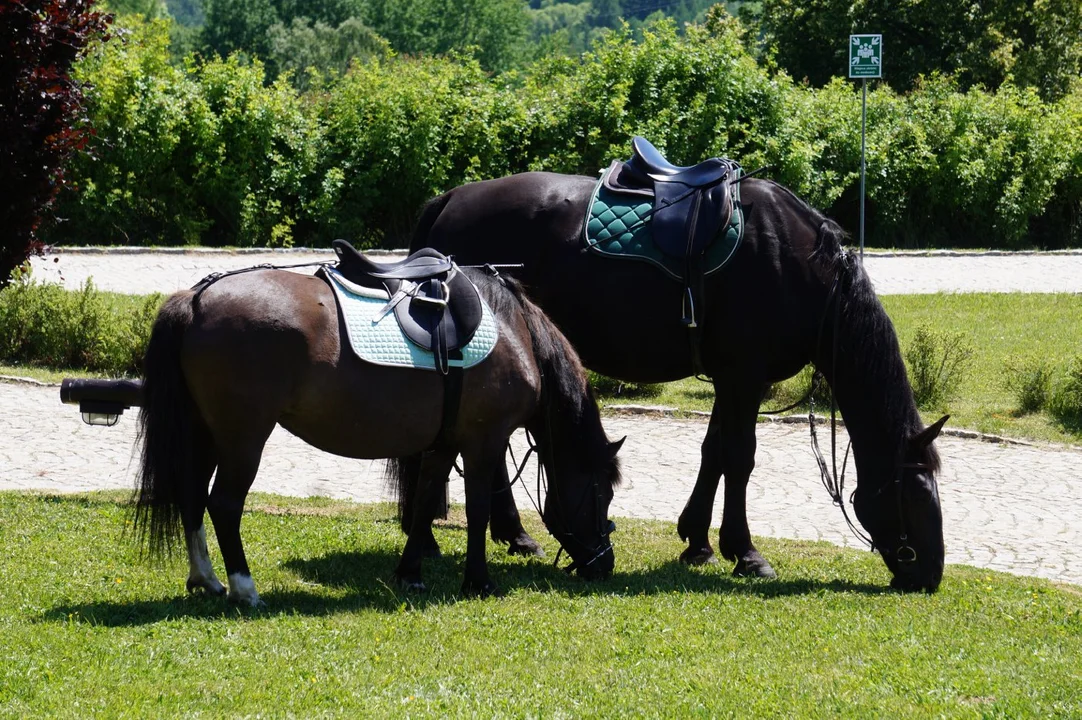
[833,481]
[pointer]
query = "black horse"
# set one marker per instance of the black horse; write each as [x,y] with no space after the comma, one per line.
[770,311]
[230,359]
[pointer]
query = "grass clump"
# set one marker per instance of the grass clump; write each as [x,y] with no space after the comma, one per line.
[1065,402]
[1029,379]
[44,325]
[937,361]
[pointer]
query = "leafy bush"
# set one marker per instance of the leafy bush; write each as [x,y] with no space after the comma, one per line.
[1065,402]
[937,362]
[210,154]
[1029,379]
[48,326]
[611,387]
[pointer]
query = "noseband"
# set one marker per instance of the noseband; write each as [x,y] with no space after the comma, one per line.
[604,528]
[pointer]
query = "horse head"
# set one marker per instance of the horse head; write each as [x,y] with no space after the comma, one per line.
[903,515]
[576,511]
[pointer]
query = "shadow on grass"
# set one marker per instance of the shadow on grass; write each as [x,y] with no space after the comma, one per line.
[359,581]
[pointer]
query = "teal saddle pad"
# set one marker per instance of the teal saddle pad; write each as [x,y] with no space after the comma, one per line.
[618,226]
[381,341]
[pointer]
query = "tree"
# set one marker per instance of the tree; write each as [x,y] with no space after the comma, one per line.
[604,13]
[239,25]
[42,116]
[303,46]
[495,27]
[1037,42]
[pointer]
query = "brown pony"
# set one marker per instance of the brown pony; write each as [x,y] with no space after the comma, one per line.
[231,358]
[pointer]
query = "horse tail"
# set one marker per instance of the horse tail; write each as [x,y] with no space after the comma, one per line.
[429,214]
[402,476]
[166,428]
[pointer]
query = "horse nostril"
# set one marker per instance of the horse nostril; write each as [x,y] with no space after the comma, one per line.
[611,528]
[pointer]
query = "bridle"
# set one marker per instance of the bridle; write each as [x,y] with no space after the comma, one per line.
[604,528]
[833,481]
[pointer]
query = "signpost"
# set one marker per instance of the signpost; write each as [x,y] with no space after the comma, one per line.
[865,61]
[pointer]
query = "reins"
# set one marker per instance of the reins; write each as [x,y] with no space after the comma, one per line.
[833,481]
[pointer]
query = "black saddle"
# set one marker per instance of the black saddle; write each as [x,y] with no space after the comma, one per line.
[691,204]
[435,304]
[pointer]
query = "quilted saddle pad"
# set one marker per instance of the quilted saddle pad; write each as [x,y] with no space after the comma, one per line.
[618,226]
[380,340]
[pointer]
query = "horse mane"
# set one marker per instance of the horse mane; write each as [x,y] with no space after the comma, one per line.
[869,353]
[568,404]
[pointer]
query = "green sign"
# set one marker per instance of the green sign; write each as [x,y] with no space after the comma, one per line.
[865,56]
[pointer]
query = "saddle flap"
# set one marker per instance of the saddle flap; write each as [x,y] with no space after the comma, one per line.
[440,315]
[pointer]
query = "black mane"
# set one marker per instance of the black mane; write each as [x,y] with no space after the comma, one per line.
[870,365]
[571,417]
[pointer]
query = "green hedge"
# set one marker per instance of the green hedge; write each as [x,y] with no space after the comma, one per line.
[209,154]
[47,326]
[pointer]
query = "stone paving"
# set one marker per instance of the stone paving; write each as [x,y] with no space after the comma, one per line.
[1006,507]
[145,272]
[1010,507]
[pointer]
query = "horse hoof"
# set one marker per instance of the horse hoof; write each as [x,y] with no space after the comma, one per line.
[525,546]
[754,565]
[698,556]
[486,590]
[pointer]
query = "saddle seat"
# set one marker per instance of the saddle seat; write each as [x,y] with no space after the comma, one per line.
[438,308]
[649,161]
[690,204]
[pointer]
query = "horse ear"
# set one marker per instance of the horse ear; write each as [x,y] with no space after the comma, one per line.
[614,447]
[925,437]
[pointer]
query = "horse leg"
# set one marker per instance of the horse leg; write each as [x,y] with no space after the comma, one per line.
[737,439]
[694,523]
[411,496]
[237,467]
[480,467]
[426,484]
[193,508]
[506,522]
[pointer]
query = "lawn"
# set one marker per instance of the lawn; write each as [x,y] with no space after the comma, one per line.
[87,628]
[999,325]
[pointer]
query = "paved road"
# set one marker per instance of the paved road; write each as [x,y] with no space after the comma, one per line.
[142,272]
[1006,507]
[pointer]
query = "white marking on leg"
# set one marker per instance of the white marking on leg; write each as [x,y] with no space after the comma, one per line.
[242,590]
[200,569]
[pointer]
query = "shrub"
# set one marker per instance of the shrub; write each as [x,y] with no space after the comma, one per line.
[937,362]
[1065,401]
[87,329]
[611,387]
[1030,379]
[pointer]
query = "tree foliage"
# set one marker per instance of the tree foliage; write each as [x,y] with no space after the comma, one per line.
[42,119]
[1036,43]
[210,154]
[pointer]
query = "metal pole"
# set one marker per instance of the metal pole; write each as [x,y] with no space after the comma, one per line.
[863,120]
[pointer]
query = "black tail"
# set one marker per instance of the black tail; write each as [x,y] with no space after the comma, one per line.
[166,429]
[402,475]
[429,214]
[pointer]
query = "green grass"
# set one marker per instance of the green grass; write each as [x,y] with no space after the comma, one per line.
[87,629]
[1000,325]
